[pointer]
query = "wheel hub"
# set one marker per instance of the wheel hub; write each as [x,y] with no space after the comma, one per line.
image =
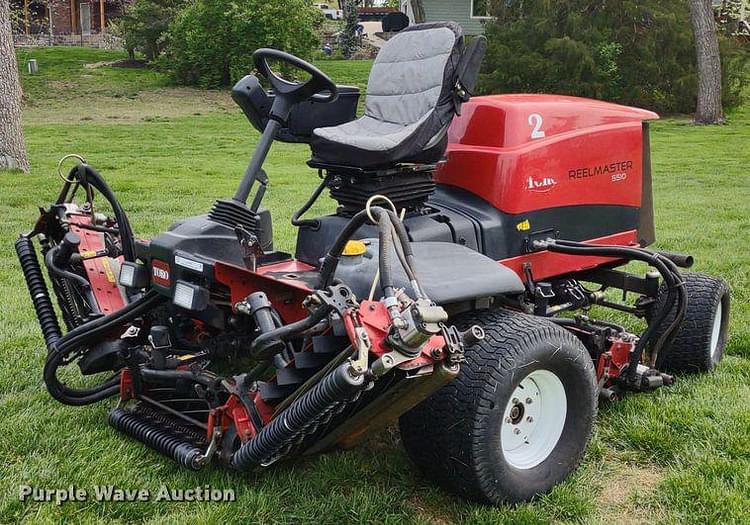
[533,420]
[516,413]
[716,331]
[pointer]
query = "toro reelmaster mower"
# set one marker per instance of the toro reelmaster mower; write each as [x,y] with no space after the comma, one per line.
[449,291]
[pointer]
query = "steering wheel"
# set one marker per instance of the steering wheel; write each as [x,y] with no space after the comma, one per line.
[295,92]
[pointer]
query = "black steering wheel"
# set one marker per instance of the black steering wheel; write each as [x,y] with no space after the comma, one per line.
[319,87]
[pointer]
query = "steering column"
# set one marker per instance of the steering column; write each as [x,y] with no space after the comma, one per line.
[318,87]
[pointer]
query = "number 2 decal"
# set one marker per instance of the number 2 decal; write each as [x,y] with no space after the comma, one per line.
[535,119]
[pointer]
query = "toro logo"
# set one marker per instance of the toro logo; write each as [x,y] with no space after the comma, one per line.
[540,185]
[160,272]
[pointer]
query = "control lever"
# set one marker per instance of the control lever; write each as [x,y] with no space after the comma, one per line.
[251,248]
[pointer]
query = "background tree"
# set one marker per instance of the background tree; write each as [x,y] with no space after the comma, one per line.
[417,7]
[709,108]
[144,25]
[210,43]
[12,146]
[730,14]
[632,52]
[348,37]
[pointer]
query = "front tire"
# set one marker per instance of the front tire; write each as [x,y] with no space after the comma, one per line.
[700,341]
[517,419]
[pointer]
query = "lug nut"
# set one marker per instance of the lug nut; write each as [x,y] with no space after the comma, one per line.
[508,420]
[514,401]
[529,400]
[516,431]
[529,419]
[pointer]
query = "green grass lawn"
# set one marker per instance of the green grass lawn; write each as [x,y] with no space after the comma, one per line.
[681,455]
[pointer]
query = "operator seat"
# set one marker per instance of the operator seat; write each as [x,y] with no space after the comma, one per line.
[417,84]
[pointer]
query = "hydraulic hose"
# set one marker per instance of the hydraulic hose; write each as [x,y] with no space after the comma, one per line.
[331,260]
[576,248]
[84,336]
[406,255]
[666,264]
[384,256]
[173,375]
[330,263]
[60,347]
[49,260]
[680,259]
[669,335]
[315,223]
[668,271]
[285,332]
[88,175]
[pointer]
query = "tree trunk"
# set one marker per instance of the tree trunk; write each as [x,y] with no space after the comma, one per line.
[348,36]
[12,147]
[417,7]
[709,110]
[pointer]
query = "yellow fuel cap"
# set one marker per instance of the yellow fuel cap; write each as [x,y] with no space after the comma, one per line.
[354,248]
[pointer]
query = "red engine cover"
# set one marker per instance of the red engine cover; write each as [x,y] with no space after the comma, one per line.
[529,152]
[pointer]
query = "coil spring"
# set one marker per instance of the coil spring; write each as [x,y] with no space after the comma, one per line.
[45,312]
[157,437]
[71,315]
[329,394]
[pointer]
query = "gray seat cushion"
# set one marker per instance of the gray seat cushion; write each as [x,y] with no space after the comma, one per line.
[368,133]
[409,102]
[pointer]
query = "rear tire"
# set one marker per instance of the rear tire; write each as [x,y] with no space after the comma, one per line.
[474,436]
[700,341]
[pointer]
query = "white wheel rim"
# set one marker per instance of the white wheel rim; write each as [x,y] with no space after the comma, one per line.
[533,420]
[716,332]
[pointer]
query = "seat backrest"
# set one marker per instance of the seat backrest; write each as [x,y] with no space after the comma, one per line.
[414,74]
[417,84]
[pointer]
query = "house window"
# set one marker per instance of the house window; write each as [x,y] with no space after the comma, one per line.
[480,8]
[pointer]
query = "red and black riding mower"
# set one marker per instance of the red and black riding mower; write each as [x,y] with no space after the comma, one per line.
[449,291]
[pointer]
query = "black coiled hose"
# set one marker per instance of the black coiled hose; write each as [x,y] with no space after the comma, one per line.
[157,437]
[337,387]
[45,312]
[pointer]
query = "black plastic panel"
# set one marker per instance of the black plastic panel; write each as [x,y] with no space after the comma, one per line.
[434,225]
[256,103]
[457,216]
